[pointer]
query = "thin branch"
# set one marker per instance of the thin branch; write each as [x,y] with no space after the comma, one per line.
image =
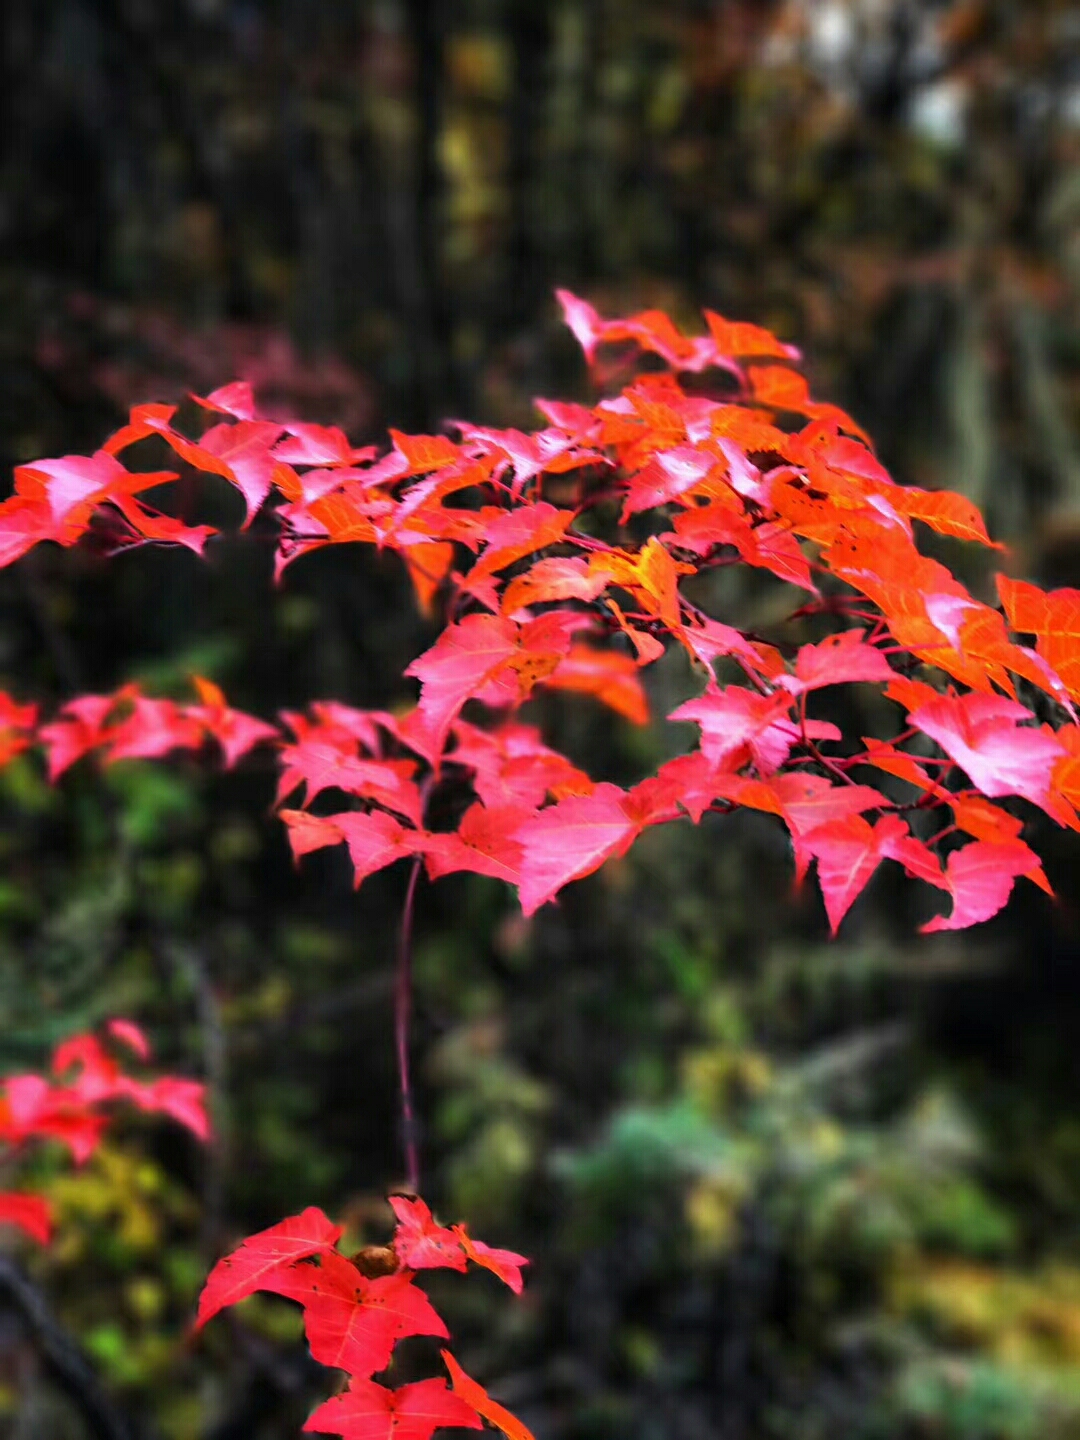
[402,1017]
[63,1358]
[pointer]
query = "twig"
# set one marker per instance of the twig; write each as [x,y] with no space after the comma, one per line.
[402,1016]
[63,1358]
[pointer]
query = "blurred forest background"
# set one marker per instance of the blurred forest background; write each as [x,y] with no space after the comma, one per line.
[774,1188]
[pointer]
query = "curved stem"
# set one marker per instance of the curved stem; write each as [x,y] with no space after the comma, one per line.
[402,1016]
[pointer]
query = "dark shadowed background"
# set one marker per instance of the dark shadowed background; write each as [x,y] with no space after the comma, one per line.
[775,1188]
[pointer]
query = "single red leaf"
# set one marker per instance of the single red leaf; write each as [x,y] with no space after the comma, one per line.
[419,1242]
[686,785]
[26,522]
[236,399]
[463,658]
[234,731]
[980,878]
[425,453]
[666,475]
[738,725]
[317,445]
[81,726]
[18,726]
[506,1264]
[737,338]
[530,455]
[320,764]
[837,660]
[131,1035]
[375,841]
[182,1100]
[583,322]
[807,801]
[475,1396]
[31,1108]
[30,1213]
[610,677]
[483,843]
[943,511]
[93,1072]
[1053,617]
[651,576]
[245,449]
[986,735]
[571,839]
[767,546]
[884,756]
[848,851]
[555,577]
[162,529]
[576,420]
[707,640]
[351,1322]
[243,1271]
[368,1411]
[74,480]
[513,534]
[153,728]
[512,767]
[309,832]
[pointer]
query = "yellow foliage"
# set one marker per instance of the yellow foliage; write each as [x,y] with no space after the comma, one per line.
[119,1189]
[1015,1318]
[723,1075]
[712,1211]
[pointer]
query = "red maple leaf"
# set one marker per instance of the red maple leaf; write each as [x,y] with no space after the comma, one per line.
[245,450]
[243,1272]
[506,1264]
[478,1399]
[848,852]
[1053,617]
[738,725]
[981,733]
[838,660]
[375,840]
[512,767]
[483,843]
[236,399]
[463,658]
[368,1411]
[320,765]
[980,878]
[234,731]
[76,481]
[29,1213]
[80,726]
[420,1243]
[351,1322]
[153,727]
[607,675]
[131,1035]
[570,839]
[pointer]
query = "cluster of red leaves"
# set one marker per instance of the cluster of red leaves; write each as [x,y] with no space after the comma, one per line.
[355,1312]
[503,530]
[559,559]
[128,725]
[70,1108]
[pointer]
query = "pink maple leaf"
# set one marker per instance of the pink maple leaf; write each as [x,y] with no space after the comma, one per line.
[571,839]
[983,735]
[980,879]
